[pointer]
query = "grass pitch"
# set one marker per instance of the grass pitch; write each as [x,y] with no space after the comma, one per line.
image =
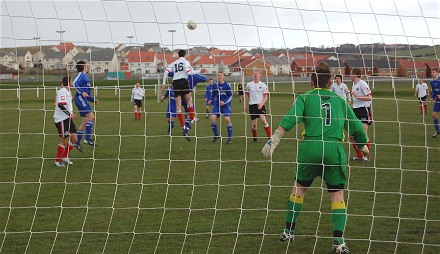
[143,191]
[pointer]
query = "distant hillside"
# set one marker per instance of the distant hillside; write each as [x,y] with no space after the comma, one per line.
[424,53]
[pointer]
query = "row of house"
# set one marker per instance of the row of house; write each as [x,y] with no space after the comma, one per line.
[401,68]
[153,59]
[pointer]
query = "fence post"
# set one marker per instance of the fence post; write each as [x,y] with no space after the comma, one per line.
[159,89]
[373,84]
[273,85]
[392,83]
[413,83]
[38,92]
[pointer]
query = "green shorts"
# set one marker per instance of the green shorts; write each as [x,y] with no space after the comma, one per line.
[325,159]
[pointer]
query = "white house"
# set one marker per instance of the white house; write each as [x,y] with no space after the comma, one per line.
[8,59]
[101,61]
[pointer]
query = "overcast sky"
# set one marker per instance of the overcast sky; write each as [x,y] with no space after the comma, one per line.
[228,24]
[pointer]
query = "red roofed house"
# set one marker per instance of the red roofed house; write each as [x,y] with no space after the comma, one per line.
[225,62]
[430,65]
[66,47]
[411,69]
[163,60]
[303,67]
[141,62]
[204,61]
[248,65]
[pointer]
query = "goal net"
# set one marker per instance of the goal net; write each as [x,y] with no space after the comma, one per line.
[144,188]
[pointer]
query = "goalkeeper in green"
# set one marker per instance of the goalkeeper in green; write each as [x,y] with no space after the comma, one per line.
[320,153]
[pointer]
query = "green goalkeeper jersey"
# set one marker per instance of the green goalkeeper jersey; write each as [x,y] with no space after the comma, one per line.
[324,115]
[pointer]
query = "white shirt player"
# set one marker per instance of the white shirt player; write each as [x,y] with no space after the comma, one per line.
[422,89]
[341,90]
[64,97]
[256,92]
[137,93]
[181,68]
[362,89]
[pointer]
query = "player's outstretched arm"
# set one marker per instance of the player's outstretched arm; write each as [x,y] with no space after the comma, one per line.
[273,142]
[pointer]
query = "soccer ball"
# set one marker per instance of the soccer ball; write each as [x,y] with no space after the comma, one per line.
[191,25]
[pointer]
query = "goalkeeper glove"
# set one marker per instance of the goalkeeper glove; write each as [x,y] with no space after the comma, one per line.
[270,146]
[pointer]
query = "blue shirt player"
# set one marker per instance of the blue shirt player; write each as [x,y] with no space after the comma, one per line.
[221,97]
[171,112]
[193,80]
[435,96]
[208,90]
[82,98]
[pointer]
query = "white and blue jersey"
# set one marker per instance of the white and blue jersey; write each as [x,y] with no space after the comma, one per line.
[221,92]
[435,94]
[82,84]
[193,79]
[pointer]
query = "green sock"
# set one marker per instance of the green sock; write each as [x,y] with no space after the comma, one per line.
[293,210]
[339,218]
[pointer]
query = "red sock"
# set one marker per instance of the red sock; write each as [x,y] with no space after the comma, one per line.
[254,133]
[426,108]
[135,115]
[60,152]
[358,151]
[67,150]
[191,113]
[267,129]
[421,109]
[139,115]
[181,120]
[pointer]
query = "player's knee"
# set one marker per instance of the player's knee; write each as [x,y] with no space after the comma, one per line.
[90,116]
[334,188]
[63,141]
[303,183]
[73,138]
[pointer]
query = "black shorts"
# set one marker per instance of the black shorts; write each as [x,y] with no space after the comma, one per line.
[138,103]
[180,87]
[65,127]
[240,92]
[422,99]
[255,112]
[364,114]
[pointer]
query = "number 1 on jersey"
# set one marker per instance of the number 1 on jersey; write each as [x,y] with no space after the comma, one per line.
[328,110]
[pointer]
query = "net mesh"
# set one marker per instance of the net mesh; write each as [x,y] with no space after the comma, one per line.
[144,190]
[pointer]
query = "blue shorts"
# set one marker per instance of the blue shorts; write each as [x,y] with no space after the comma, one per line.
[224,110]
[83,106]
[436,106]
